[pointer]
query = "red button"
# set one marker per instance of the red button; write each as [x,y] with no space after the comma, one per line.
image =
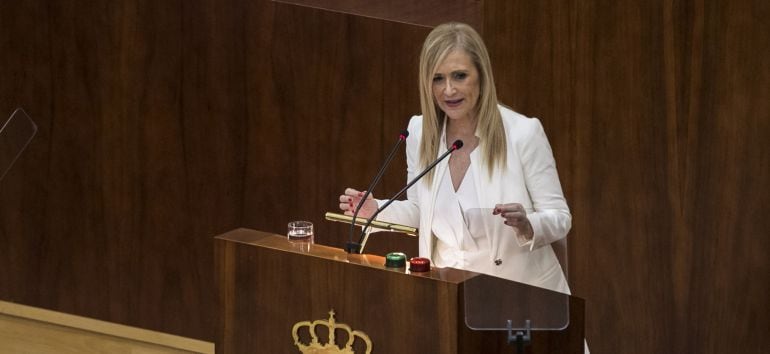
[419,264]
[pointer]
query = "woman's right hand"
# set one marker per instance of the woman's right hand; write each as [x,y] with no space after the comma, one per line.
[350,199]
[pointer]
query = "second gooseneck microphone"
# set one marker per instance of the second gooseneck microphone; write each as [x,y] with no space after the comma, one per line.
[455,146]
[352,247]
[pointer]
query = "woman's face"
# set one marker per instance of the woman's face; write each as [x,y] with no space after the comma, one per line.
[456,86]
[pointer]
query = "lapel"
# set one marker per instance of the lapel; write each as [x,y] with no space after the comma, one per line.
[488,192]
[441,169]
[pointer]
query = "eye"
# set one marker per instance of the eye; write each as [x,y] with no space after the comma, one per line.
[460,75]
[438,79]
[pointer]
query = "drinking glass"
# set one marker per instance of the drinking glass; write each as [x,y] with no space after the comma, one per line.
[300,231]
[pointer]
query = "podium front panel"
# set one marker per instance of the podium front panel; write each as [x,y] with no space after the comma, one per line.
[268,286]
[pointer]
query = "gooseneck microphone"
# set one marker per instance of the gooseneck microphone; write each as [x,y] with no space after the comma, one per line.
[455,146]
[352,247]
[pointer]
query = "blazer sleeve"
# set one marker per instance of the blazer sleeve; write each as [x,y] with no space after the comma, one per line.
[407,212]
[551,219]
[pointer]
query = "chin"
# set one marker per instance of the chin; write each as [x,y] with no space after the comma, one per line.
[456,114]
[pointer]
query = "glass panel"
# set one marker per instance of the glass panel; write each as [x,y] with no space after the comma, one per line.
[15,135]
[490,302]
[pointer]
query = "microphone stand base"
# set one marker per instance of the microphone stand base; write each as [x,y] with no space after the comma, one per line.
[520,338]
[352,247]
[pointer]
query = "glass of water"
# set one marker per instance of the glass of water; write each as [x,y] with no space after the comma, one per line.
[300,231]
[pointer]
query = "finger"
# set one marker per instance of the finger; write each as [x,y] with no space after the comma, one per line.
[345,199]
[512,219]
[357,194]
[513,215]
[361,195]
[513,223]
[512,207]
[501,208]
[348,202]
[352,192]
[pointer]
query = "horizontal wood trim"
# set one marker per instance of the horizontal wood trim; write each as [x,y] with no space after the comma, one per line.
[428,13]
[15,317]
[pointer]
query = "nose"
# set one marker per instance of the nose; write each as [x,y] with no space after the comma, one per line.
[449,88]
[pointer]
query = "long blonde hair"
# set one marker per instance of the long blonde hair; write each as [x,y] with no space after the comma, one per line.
[440,42]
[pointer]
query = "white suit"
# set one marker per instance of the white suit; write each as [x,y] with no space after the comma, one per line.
[529,178]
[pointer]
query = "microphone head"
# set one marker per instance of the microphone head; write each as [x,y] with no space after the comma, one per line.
[457,144]
[404,134]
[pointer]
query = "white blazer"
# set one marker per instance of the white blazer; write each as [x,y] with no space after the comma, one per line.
[530,178]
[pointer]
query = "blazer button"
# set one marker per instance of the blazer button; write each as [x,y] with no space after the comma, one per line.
[498,261]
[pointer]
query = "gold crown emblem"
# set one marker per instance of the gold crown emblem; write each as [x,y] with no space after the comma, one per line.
[330,345]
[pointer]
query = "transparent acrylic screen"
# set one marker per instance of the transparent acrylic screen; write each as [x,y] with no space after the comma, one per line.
[490,302]
[15,135]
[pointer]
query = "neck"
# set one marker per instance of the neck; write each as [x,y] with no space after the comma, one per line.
[461,127]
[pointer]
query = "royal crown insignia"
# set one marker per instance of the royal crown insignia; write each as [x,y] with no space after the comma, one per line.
[329,345]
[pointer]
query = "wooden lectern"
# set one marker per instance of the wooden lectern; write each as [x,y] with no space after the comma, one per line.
[269,287]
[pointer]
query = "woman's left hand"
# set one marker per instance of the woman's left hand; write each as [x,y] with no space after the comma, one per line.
[515,216]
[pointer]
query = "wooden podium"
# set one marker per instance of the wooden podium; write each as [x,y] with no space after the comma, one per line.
[268,284]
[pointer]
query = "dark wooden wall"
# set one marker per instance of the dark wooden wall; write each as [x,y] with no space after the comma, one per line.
[164,123]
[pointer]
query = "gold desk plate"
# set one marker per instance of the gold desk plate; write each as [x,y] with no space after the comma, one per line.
[389,226]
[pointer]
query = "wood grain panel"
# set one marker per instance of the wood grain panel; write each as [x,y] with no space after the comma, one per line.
[621,141]
[534,76]
[164,123]
[333,107]
[256,282]
[267,285]
[726,165]
[657,130]
[128,167]
[655,113]
[316,134]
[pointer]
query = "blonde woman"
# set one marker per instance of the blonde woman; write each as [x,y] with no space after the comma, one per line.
[494,206]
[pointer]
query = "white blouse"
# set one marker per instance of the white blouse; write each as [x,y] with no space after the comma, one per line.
[461,240]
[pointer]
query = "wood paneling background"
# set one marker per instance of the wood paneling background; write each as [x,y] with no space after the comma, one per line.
[164,123]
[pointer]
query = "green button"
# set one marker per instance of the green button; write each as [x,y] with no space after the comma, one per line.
[395,260]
